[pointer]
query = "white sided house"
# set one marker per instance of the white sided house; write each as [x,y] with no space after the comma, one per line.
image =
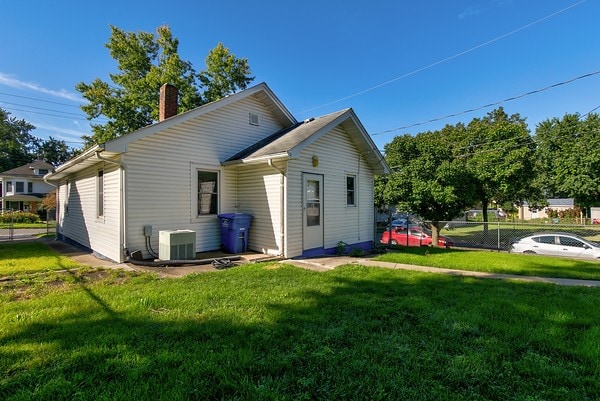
[308,185]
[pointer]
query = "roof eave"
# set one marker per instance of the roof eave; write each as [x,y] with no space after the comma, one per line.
[74,164]
[260,159]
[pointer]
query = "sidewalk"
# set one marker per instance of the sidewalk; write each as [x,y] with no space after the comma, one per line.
[328,263]
[316,264]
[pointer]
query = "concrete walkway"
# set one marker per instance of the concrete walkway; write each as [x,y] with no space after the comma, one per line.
[317,264]
[328,263]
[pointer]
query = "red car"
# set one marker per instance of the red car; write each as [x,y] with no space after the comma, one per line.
[415,237]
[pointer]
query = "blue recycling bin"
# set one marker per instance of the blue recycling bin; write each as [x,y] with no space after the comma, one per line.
[235,228]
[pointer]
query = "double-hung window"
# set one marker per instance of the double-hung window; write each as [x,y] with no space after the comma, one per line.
[350,190]
[208,192]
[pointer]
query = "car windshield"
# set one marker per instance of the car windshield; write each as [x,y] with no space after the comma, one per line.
[593,243]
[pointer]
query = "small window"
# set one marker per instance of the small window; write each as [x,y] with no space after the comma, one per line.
[20,187]
[350,190]
[100,194]
[253,119]
[9,186]
[42,171]
[208,193]
[30,187]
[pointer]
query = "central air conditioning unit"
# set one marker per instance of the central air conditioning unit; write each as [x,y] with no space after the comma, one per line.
[177,245]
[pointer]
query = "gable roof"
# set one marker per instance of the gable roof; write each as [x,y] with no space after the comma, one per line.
[28,170]
[262,92]
[289,142]
[113,148]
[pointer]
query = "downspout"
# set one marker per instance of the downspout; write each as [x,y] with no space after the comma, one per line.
[123,226]
[281,206]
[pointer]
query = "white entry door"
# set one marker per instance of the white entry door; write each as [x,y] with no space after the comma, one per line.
[312,211]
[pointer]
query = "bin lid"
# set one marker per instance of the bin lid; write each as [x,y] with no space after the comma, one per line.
[234,216]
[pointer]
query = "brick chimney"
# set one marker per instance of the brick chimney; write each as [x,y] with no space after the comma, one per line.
[167,105]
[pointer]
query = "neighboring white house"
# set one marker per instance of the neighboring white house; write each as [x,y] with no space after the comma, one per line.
[525,213]
[23,188]
[308,185]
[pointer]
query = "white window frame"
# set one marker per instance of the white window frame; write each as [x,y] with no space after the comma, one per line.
[354,190]
[22,184]
[100,194]
[194,170]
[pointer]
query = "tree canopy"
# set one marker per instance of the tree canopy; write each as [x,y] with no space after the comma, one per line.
[440,174]
[145,62]
[568,157]
[19,147]
[16,142]
[500,156]
[427,178]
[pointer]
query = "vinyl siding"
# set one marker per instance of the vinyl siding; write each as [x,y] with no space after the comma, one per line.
[337,157]
[259,194]
[80,223]
[161,170]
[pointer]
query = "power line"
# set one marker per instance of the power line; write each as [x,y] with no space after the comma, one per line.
[41,108]
[47,114]
[447,58]
[39,100]
[493,104]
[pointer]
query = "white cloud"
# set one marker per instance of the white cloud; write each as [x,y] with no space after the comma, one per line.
[469,12]
[11,81]
[65,134]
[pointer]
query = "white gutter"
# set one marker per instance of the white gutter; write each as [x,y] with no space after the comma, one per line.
[281,207]
[122,201]
[86,155]
[256,160]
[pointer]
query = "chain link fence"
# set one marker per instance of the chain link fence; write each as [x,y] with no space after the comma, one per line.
[14,227]
[497,235]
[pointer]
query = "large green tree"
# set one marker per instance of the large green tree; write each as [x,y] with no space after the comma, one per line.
[17,144]
[19,147]
[427,178]
[145,62]
[55,151]
[499,155]
[568,156]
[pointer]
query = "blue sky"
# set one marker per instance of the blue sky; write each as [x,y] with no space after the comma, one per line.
[398,64]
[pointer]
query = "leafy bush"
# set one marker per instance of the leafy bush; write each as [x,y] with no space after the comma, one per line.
[19,217]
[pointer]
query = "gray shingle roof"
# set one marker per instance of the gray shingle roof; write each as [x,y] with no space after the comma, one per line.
[28,170]
[285,140]
[289,142]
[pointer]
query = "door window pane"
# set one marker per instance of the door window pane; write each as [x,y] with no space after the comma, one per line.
[313,203]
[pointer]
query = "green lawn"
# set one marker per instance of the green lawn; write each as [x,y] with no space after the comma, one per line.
[30,257]
[272,331]
[495,262]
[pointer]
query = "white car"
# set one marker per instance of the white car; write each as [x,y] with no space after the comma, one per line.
[557,244]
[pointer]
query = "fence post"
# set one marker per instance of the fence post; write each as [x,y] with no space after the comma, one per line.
[498,235]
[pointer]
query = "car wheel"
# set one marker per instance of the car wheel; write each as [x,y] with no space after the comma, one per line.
[529,252]
[394,242]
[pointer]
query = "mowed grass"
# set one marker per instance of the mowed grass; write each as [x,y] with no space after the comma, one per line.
[495,262]
[31,257]
[278,332]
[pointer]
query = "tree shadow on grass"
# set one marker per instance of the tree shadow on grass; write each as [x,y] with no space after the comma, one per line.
[351,333]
